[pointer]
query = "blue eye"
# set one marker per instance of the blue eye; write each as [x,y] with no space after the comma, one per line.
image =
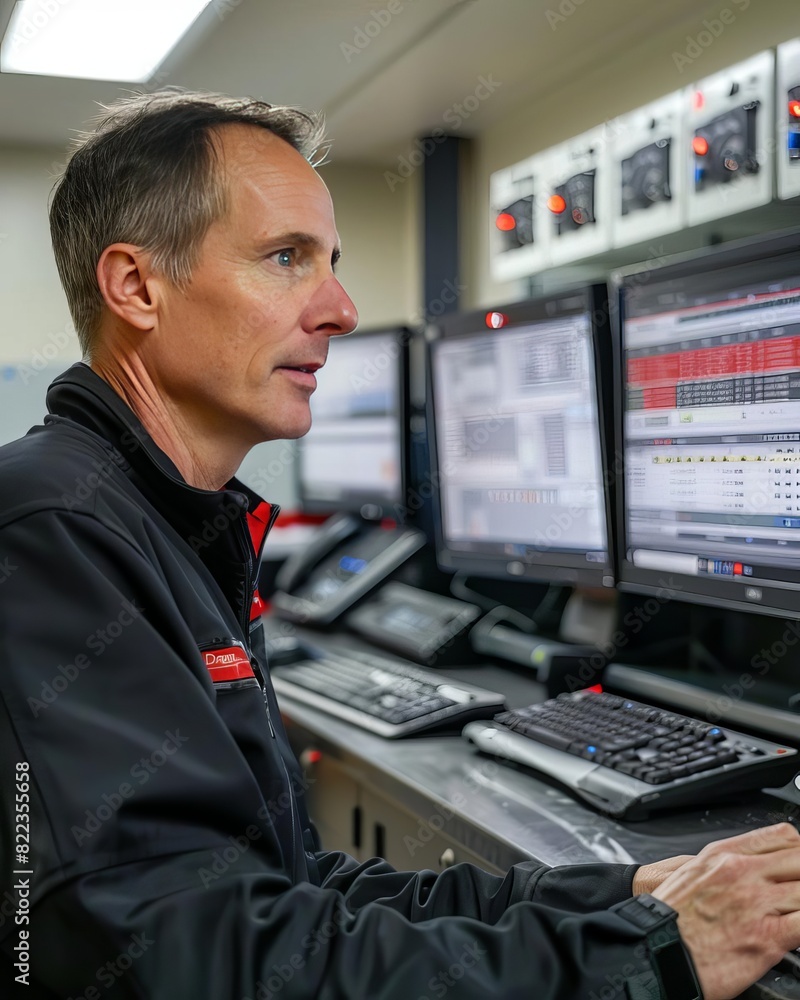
[285,257]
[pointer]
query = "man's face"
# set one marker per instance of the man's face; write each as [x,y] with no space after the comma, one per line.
[229,351]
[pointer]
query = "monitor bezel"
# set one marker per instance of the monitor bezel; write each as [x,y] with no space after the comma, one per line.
[382,508]
[725,594]
[550,566]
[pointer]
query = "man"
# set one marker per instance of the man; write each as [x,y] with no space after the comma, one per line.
[154,807]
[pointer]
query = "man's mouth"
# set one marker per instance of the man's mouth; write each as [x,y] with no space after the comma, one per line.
[302,375]
[309,369]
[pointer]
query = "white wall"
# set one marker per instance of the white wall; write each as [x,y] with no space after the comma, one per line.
[381,266]
[34,308]
[37,339]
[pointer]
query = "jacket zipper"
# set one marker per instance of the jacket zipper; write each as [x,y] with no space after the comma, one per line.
[249,590]
[263,685]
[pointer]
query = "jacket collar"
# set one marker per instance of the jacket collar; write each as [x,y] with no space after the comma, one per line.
[212,522]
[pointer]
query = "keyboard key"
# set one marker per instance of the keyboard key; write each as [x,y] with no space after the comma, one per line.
[657,777]
[702,764]
[544,735]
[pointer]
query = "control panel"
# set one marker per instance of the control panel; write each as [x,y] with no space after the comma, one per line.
[519,243]
[647,179]
[578,196]
[729,122]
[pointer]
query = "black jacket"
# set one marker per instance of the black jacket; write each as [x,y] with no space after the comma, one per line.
[171,855]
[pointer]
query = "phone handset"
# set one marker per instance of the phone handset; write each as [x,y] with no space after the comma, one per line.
[330,534]
[344,562]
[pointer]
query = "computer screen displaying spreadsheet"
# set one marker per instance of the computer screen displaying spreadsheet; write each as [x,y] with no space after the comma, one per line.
[709,373]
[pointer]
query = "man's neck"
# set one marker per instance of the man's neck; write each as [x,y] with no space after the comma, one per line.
[198,461]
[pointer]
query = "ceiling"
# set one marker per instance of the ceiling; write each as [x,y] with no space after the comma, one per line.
[384,71]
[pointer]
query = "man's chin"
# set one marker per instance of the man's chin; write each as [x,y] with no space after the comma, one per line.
[290,431]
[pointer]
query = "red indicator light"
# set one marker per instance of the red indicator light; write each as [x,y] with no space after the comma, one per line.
[794,109]
[595,688]
[496,320]
[781,750]
[556,204]
[738,569]
[700,145]
[698,100]
[505,222]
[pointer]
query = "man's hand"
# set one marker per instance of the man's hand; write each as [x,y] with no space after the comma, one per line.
[649,877]
[738,906]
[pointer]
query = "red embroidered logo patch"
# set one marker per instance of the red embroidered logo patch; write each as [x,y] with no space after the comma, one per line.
[229,664]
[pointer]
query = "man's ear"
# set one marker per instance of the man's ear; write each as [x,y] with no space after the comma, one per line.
[128,284]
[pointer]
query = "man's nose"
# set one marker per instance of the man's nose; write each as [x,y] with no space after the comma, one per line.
[333,310]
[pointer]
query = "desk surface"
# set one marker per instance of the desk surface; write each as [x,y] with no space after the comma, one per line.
[504,814]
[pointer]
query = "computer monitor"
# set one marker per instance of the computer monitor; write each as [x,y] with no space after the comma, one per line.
[708,425]
[355,456]
[519,440]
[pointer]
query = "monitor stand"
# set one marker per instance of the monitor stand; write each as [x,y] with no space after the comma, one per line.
[574,659]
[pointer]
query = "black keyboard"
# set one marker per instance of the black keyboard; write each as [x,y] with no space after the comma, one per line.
[629,759]
[389,697]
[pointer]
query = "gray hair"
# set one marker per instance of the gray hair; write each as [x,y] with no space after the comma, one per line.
[146,174]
